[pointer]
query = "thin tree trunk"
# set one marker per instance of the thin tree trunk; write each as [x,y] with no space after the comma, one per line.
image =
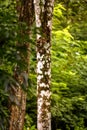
[26,14]
[43,14]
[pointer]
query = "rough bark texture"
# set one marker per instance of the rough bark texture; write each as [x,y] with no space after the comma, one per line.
[26,14]
[43,14]
[18,111]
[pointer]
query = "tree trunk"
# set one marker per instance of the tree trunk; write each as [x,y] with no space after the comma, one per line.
[18,111]
[43,14]
[26,14]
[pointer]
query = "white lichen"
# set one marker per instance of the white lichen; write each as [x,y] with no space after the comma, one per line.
[39,77]
[38,55]
[42,85]
[39,67]
[45,93]
[47,45]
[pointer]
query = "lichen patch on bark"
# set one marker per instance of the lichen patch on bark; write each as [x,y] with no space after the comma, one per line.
[43,12]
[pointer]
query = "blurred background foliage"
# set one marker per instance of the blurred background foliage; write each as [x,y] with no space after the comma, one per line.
[69,65]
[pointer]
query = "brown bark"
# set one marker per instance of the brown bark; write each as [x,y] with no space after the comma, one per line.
[18,111]
[26,14]
[43,13]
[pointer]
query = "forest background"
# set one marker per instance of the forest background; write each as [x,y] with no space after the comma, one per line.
[69,65]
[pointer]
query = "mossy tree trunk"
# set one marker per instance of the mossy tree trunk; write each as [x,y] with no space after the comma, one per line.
[43,14]
[26,14]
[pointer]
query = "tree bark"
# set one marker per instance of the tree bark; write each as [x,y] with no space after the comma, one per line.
[26,14]
[43,14]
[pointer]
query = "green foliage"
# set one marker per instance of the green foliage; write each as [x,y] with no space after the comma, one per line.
[28,123]
[69,67]
[7,35]
[3,109]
